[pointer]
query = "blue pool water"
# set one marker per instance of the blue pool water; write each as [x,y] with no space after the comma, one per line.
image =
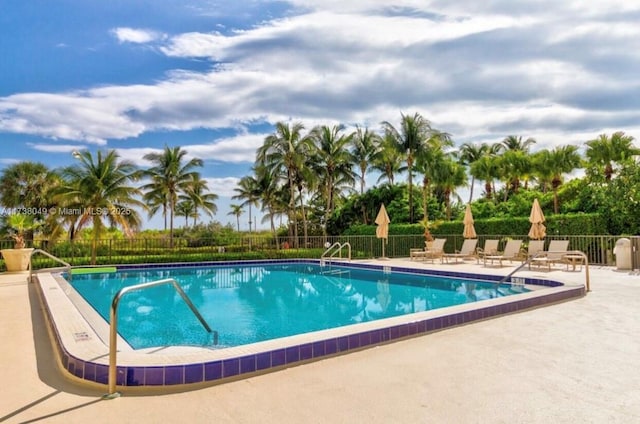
[248,304]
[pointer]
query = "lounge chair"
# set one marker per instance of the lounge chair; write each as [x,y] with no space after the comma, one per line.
[490,248]
[511,252]
[436,250]
[534,248]
[555,254]
[468,250]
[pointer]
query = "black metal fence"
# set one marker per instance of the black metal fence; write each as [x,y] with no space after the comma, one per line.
[599,249]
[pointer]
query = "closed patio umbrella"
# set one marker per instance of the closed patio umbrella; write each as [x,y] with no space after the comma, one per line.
[469,230]
[382,221]
[538,231]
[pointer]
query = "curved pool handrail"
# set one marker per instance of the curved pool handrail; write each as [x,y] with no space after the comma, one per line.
[113,326]
[585,258]
[66,265]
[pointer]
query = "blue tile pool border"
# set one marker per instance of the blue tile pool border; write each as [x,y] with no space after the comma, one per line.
[220,370]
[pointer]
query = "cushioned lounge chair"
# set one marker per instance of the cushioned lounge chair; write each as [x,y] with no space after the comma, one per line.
[468,250]
[511,253]
[555,254]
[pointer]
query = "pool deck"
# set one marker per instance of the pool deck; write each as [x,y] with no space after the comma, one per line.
[576,361]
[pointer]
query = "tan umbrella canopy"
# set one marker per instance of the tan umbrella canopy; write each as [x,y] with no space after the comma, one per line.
[538,231]
[382,221]
[469,230]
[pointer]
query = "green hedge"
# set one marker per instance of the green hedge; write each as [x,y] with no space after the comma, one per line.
[568,224]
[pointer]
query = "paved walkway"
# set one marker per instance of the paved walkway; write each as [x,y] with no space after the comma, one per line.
[574,362]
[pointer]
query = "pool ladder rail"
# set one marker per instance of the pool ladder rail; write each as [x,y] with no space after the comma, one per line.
[113,326]
[517,281]
[329,256]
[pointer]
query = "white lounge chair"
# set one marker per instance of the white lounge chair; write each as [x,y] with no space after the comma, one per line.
[555,254]
[535,247]
[490,248]
[468,250]
[511,252]
[436,250]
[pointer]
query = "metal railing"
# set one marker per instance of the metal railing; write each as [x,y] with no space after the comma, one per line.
[599,248]
[66,265]
[113,326]
[336,249]
[584,258]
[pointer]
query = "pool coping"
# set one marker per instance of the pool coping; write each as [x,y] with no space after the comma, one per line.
[82,354]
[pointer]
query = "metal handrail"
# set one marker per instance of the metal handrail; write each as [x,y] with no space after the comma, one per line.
[113,325]
[544,253]
[66,265]
[338,249]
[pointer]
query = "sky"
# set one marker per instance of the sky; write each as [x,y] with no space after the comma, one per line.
[213,77]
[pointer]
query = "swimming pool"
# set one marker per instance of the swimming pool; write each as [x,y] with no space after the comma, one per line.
[246,304]
[80,335]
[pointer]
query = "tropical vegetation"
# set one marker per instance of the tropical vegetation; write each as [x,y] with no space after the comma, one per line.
[313,182]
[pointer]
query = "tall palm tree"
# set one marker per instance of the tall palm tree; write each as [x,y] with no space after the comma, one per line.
[563,160]
[513,164]
[157,199]
[271,195]
[486,169]
[197,192]
[410,139]
[366,144]
[604,151]
[237,211]
[447,176]
[285,151]
[516,163]
[470,153]
[515,142]
[170,175]
[331,162]
[249,191]
[387,160]
[185,207]
[98,188]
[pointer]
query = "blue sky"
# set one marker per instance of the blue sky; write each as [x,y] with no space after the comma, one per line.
[214,76]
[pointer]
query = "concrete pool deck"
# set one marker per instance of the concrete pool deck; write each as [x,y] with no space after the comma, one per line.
[576,361]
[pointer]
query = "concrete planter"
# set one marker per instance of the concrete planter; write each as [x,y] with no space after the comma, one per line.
[16,259]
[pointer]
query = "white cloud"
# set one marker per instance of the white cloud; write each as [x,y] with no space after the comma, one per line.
[474,69]
[56,148]
[223,187]
[136,36]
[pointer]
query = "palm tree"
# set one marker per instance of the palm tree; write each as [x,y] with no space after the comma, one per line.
[170,176]
[410,138]
[515,142]
[387,160]
[563,160]
[366,144]
[331,163]
[271,195]
[604,151]
[470,153]
[486,169]
[157,199]
[249,191]
[513,164]
[186,208]
[98,188]
[30,185]
[196,191]
[237,211]
[285,151]
[516,165]
[447,176]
